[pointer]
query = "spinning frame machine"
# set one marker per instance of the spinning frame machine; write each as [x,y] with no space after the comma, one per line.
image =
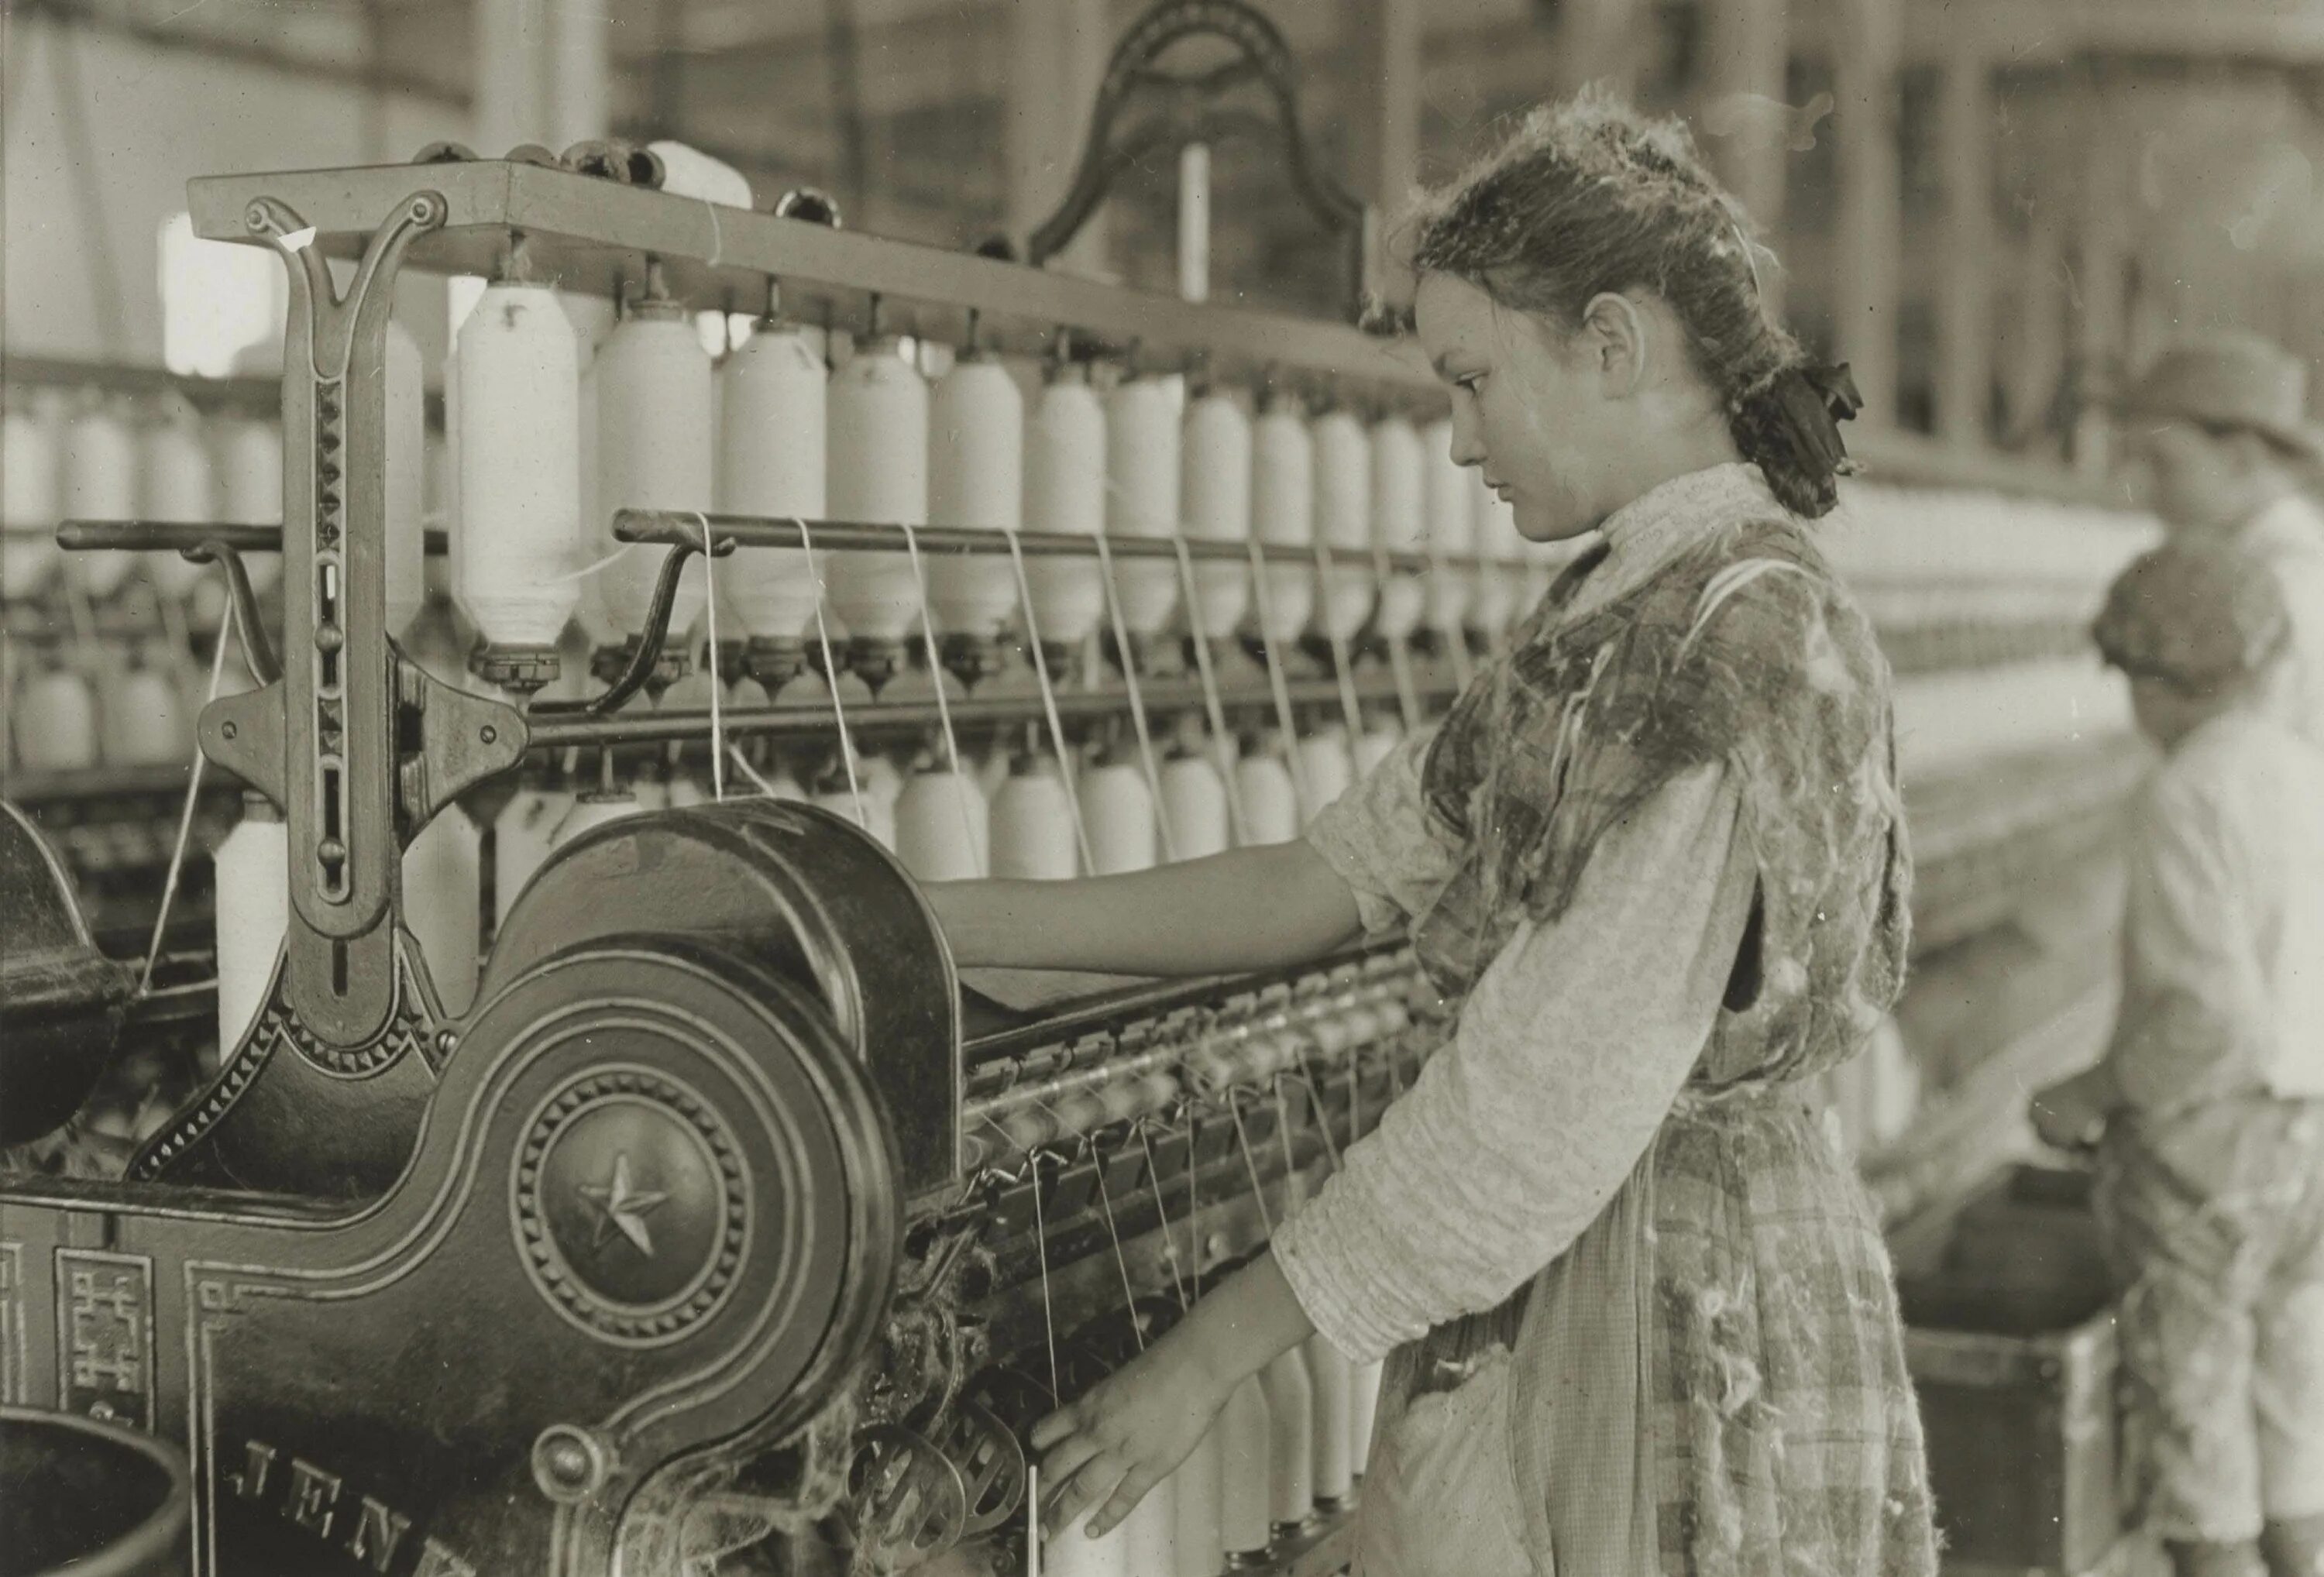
[721,1211]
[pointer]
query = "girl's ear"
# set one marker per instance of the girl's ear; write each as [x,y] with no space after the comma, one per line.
[1614,337]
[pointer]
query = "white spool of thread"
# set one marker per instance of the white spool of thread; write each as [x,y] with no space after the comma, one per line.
[253,910]
[881,779]
[1070,1552]
[100,484]
[773,430]
[1033,825]
[1363,1407]
[1143,478]
[1064,492]
[1291,1437]
[1334,1382]
[941,826]
[406,489]
[1270,801]
[1499,584]
[1246,1427]
[56,720]
[1117,809]
[145,720]
[1215,492]
[1328,766]
[1450,524]
[250,487]
[519,421]
[1198,1551]
[1343,521]
[879,473]
[1151,1531]
[442,869]
[1377,743]
[877,816]
[1195,798]
[992,770]
[594,808]
[31,492]
[976,480]
[1283,513]
[179,483]
[657,450]
[1399,513]
[521,841]
[689,172]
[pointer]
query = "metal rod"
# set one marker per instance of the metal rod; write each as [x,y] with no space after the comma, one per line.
[632,525]
[557,731]
[187,536]
[586,231]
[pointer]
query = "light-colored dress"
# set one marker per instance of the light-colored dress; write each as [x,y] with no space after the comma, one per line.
[1639,1309]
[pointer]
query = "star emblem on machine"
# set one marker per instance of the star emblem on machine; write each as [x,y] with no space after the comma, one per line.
[622,1206]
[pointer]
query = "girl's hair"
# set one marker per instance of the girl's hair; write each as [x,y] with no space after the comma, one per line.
[1591,196]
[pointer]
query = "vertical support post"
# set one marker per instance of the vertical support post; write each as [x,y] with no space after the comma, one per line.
[1745,46]
[1871,206]
[2037,360]
[1596,42]
[1965,336]
[1194,222]
[513,43]
[580,89]
[2102,243]
[1382,73]
[1058,58]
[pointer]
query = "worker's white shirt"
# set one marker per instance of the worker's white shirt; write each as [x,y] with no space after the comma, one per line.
[2289,535]
[2223,937]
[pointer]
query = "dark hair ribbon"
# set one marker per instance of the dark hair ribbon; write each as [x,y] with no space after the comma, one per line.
[1809,404]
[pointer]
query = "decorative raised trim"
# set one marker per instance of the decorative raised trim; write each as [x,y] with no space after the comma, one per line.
[15,1367]
[105,1336]
[622,1206]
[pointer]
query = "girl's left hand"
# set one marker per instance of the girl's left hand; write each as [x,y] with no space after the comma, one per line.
[2071,1114]
[1128,1434]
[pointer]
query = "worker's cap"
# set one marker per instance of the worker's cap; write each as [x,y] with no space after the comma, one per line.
[2197,617]
[2229,381]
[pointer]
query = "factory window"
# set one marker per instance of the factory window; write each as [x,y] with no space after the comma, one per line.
[222,306]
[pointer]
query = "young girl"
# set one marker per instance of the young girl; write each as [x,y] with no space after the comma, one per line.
[1638,1314]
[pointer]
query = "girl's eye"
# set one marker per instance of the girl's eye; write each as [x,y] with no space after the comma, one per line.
[1472,382]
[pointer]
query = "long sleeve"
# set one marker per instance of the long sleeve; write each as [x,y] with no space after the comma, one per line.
[1568,1055]
[2197,1018]
[1385,840]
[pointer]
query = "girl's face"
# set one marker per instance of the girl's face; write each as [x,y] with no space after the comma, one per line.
[1530,406]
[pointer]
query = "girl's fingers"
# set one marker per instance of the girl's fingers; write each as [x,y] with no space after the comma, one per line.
[1055,1427]
[1076,1499]
[1065,1458]
[1132,1490]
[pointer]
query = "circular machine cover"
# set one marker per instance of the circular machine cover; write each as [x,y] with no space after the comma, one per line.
[803,895]
[701,1180]
[86,1496]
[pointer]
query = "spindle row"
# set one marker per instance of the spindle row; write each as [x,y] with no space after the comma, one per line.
[1270,1089]
[562,417]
